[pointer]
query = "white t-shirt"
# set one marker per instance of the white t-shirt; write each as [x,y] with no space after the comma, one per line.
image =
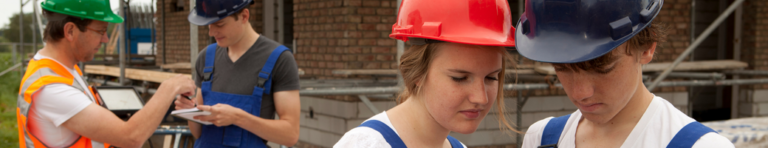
[366,137]
[55,104]
[659,124]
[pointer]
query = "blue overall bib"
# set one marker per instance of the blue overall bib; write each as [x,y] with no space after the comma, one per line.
[685,138]
[234,136]
[393,139]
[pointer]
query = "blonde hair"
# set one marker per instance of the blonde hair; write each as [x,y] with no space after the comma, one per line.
[414,65]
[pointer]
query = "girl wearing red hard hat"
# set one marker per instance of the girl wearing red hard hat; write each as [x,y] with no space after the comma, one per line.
[453,74]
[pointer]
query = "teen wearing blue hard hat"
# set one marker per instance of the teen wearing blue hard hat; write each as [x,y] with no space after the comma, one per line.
[597,48]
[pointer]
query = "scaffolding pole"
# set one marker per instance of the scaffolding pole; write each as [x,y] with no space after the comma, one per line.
[121,43]
[21,33]
[696,43]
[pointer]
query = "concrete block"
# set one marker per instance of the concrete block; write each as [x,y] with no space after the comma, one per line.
[320,138]
[762,108]
[548,103]
[676,98]
[364,112]
[329,107]
[327,123]
[352,123]
[760,95]
[748,109]
[485,137]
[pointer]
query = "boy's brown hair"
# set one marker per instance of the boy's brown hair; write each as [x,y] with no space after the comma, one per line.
[655,32]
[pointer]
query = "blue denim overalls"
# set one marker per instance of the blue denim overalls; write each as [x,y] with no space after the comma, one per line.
[234,136]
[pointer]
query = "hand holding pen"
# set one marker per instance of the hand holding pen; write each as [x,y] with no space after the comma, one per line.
[186,103]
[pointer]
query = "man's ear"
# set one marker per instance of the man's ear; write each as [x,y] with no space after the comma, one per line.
[246,15]
[70,31]
[647,55]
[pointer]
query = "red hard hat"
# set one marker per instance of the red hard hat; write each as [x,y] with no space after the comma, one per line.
[477,22]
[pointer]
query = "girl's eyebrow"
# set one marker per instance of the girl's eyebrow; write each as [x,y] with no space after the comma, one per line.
[467,72]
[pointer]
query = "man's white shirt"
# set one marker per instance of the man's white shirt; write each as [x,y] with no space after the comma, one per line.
[659,124]
[54,104]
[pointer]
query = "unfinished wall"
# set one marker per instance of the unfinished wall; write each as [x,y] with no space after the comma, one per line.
[339,34]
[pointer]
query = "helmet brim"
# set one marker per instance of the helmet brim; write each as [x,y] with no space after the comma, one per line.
[112,18]
[201,20]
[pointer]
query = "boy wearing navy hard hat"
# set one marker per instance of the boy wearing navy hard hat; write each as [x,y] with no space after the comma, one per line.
[245,79]
[598,49]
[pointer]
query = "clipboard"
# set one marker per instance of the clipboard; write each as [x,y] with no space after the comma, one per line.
[189,114]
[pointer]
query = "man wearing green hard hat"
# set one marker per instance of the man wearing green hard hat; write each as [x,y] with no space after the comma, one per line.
[56,108]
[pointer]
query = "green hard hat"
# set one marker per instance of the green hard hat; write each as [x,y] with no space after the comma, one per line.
[89,9]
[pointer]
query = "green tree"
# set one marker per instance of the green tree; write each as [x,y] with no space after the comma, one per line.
[11,31]
[4,48]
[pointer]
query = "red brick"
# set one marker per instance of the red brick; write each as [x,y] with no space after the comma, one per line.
[385,11]
[371,19]
[371,3]
[366,11]
[321,65]
[381,50]
[354,34]
[366,42]
[355,50]
[353,3]
[367,26]
[372,66]
[386,42]
[365,58]
[371,34]
[386,3]
[356,65]
[354,19]
[385,57]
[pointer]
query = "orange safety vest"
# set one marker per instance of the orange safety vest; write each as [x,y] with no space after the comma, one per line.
[40,73]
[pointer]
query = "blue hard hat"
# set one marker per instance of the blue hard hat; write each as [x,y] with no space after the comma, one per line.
[209,11]
[572,31]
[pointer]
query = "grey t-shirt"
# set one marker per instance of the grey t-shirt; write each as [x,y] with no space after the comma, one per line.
[241,76]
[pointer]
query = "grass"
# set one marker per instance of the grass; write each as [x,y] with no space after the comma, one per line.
[9,87]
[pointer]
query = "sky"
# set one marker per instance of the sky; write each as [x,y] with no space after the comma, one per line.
[10,7]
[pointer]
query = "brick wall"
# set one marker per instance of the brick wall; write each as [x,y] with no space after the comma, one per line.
[754,51]
[177,31]
[339,34]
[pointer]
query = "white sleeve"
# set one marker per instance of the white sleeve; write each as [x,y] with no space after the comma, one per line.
[362,137]
[533,135]
[713,140]
[59,102]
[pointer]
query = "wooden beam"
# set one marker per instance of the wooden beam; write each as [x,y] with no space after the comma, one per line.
[130,73]
[347,72]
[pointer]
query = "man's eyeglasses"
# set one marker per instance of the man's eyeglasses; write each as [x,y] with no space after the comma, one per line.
[100,32]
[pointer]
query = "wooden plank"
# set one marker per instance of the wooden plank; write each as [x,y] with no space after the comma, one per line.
[348,72]
[182,65]
[186,67]
[130,73]
[697,65]
[683,66]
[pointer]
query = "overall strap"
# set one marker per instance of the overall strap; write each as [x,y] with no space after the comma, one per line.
[455,143]
[210,58]
[552,131]
[687,136]
[266,71]
[392,138]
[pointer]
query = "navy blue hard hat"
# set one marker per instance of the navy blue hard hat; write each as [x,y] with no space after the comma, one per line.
[209,11]
[572,31]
